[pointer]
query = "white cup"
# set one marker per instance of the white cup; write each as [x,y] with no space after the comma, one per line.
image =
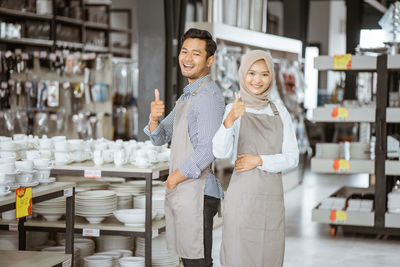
[8,154]
[5,138]
[142,161]
[61,146]
[24,165]
[8,145]
[7,167]
[4,188]
[45,153]
[108,155]
[42,163]
[152,155]
[119,157]
[4,179]
[7,160]
[98,157]
[33,154]
[45,144]
[19,137]
[24,177]
[75,144]
[42,174]
[62,157]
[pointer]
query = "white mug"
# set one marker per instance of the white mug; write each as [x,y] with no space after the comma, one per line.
[7,167]
[98,157]
[33,154]
[108,155]
[24,178]
[8,145]
[42,163]
[119,157]
[45,154]
[142,161]
[45,144]
[24,165]
[152,155]
[8,154]
[7,160]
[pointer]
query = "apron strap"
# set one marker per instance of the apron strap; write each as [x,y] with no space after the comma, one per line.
[274,109]
[204,82]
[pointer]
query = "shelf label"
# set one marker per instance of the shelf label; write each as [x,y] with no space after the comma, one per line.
[341,165]
[53,117]
[338,216]
[340,113]
[154,233]
[342,62]
[156,174]
[23,202]
[92,174]
[67,263]
[91,232]
[13,227]
[68,192]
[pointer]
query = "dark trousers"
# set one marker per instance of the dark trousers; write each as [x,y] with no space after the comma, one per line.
[210,209]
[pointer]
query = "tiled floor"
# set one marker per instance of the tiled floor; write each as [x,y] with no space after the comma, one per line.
[310,244]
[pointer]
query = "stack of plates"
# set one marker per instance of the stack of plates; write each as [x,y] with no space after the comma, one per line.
[114,242]
[85,246]
[62,249]
[139,202]
[159,253]
[131,262]
[133,217]
[133,189]
[91,185]
[115,255]
[98,261]
[52,210]
[96,205]
[124,200]
[394,202]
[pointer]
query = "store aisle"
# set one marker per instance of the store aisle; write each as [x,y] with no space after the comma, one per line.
[309,244]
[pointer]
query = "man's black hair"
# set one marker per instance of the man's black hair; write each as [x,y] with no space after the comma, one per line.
[211,46]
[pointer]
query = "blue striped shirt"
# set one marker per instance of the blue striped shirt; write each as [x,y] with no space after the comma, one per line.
[204,116]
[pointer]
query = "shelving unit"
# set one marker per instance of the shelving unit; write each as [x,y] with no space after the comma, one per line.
[378,222]
[39,194]
[113,227]
[34,258]
[351,166]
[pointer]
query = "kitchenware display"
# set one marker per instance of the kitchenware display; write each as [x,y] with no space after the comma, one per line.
[114,242]
[131,262]
[139,202]
[86,248]
[96,205]
[133,217]
[124,200]
[42,174]
[98,261]
[52,210]
[159,253]
[115,255]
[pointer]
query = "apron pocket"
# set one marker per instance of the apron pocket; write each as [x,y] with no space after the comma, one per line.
[253,209]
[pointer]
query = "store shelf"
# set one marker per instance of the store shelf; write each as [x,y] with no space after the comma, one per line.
[27,41]
[392,167]
[121,30]
[358,63]
[109,224]
[393,114]
[121,51]
[72,21]
[250,38]
[126,170]
[341,166]
[34,258]
[394,62]
[22,14]
[392,220]
[97,26]
[73,45]
[94,48]
[345,217]
[342,114]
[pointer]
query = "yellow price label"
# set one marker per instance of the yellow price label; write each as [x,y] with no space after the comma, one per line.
[342,62]
[23,202]
[338,216]
[340,113]
[341,165]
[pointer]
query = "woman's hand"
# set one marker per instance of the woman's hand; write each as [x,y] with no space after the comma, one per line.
[237,111]
[246,162]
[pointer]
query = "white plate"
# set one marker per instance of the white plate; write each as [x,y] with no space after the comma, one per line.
[31,184]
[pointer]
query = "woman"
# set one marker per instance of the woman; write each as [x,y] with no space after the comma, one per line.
[259,138]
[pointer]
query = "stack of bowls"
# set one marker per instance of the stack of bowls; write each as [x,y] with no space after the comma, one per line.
[133,217]
[159,254]
[86,248]
[115,255]
[96,205]
[52,210]
[61,150]
[62,249]
[22,144]
[139,202]
[46,148]
[131,262]
[124,200]
[43,168]
[98,261]
[114,242]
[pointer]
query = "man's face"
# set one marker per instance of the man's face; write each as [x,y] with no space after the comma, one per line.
[193,59]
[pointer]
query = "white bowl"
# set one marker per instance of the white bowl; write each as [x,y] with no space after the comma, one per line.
[24,165]
[42,174]
[52,217]
[24,177]
[131,261]
[95,220]
[98,261]
[132,217]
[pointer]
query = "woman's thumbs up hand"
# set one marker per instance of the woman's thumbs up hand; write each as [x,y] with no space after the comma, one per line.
[237,111]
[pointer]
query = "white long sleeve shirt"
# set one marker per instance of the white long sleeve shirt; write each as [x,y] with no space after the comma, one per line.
[225,141]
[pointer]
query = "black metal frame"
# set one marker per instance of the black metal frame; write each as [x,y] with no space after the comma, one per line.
[70,220]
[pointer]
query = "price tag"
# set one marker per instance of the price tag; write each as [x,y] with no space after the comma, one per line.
[23,202]
[91,232]
[13,227]
[340,113]
[92,174]
[338,216]
[68,192]
[341,165]
[154,233]
[67,263]
[53,117]
[156,174]
[342,62]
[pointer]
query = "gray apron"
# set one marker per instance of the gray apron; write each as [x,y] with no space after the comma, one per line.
[184,204]
[254,215]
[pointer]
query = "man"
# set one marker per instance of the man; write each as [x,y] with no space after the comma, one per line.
[193,192]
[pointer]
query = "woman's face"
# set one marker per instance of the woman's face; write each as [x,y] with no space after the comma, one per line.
[258,77]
